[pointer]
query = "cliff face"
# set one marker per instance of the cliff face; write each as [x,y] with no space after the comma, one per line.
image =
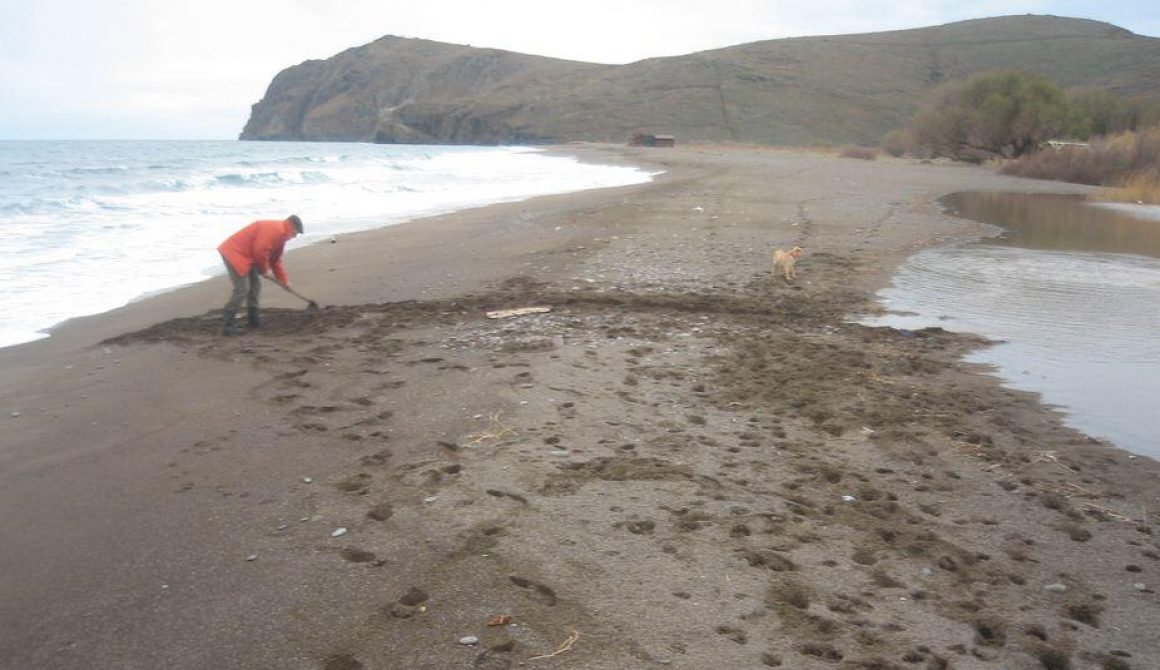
[820,90]
[402,90]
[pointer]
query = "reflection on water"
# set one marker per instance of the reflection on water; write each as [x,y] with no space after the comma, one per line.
[1075,302]
[1062,222]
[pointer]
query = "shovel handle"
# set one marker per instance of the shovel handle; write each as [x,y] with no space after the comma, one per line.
[292,291]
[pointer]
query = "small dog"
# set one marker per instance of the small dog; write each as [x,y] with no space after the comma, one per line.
[785,260]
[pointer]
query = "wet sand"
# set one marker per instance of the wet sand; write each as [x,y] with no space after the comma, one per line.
[685,463]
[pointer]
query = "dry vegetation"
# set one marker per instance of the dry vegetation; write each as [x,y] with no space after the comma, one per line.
[1128,164]
[1013,118]
[861,153]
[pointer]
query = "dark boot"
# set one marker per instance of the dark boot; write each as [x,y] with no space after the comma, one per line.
[252,317]
[228,326]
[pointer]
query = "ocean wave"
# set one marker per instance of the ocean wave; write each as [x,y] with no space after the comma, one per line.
[113,206]
[112,229]
[293,160]
[276,178]
[41,205]
[87,170]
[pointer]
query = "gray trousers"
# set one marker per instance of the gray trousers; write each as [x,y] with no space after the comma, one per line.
[247,288]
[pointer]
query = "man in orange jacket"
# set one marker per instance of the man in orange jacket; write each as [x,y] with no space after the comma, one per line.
[250,254]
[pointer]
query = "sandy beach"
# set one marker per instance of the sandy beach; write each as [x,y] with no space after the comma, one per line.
[683,462]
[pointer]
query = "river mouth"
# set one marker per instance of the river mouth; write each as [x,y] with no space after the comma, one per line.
[1070,291]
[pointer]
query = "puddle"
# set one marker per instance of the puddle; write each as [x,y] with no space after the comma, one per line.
[1073,292]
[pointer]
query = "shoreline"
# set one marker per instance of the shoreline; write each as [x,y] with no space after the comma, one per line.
[211,269]
[684,461]
[79,324]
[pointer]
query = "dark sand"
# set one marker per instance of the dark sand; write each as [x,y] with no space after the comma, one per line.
[686,463]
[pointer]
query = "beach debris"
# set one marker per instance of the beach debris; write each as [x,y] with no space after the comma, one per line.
[469,640]
[499,620]
[252,557]
[1050,457]
[338,532]
[1055,588]
[517,311]
[307,480]
[430,499]
[495,432]
[848,499]
[1140,586]
[15,415]
[565,646]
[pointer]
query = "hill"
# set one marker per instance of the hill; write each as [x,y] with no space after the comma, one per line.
[810,90]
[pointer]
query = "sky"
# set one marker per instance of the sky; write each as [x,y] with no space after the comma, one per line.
[156,69]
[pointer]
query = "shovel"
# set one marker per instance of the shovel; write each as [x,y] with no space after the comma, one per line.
[311,306]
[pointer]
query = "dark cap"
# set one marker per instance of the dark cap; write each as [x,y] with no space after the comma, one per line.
[296,222]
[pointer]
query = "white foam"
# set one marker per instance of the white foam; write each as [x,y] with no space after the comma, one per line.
[155,221]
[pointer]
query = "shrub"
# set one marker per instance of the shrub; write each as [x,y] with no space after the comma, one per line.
[1128,163]
[862,153]
[998,113]
[898,143]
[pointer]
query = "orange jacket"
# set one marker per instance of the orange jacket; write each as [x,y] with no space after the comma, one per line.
[259,243]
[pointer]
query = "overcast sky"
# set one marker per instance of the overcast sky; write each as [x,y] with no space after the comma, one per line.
[157,69]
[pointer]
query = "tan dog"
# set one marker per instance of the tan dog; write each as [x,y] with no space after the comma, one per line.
[785,260]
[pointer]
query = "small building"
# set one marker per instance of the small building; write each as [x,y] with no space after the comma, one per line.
[650,140]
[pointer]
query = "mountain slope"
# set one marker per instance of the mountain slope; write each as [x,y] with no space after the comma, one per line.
[810,90]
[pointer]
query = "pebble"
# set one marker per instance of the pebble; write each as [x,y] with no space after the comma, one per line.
[252,557]
[307,480]
[15,414]
[469,640]
[430,499]
[1140,586]
[338,532]
[848,498]
[1057,588]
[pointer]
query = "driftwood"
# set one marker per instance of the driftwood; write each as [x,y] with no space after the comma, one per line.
[565,646]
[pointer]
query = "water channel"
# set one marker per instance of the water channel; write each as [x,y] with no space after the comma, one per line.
[1070,290]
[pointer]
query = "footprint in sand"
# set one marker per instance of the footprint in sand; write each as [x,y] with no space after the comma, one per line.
[381,512]
[537,590]
[356,555]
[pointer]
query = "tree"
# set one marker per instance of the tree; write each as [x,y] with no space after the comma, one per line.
[997,113]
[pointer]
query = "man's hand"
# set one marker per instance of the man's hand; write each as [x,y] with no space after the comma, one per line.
[271,277]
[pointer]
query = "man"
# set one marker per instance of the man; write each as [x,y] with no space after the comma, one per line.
[250,254]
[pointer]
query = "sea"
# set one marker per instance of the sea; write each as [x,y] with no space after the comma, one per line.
[88,226]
